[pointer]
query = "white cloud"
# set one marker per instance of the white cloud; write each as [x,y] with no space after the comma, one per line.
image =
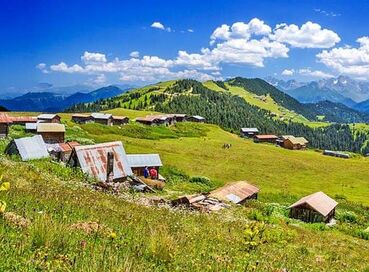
[242,43]
[134,54]
[316,73]
[93,57]
[348,60]
[160,26]
[190,30]
[241,30]
[327,13]
[42,67]
[63,67]
[310,35]
[288,72]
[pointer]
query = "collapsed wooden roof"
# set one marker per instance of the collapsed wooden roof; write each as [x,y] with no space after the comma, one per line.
[319,202]
[235,192]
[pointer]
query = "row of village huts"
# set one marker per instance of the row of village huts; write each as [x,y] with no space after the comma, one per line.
[109,162]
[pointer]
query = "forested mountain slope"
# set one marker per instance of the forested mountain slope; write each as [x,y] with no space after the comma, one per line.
[231,111]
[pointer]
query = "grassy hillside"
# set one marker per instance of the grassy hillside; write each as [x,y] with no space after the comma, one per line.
[69,226]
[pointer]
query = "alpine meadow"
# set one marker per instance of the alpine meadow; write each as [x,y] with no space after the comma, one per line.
[184,136]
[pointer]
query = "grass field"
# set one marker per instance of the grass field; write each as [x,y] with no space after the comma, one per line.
[128,236]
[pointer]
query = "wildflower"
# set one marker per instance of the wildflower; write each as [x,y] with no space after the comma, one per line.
[113,235]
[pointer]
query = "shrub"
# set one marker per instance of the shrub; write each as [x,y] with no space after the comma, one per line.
[202,180]
[347,216]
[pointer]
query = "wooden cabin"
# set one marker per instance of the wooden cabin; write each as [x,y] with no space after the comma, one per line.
[138,162]
[62,151]
[28,148]
[103,118]
[337,154]
[178,117]
[49,118]
[265,139]
[120,120]
[317,207]
[155,120]
[51,132]
[5,122]
[237,192]
[249,132]
[196,119]
[82,118]
[104,162]
[295,143]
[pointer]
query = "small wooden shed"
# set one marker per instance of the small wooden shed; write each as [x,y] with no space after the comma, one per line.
[265,139]
[249,132]
[196,119]
[5,122]
[317,207]
[120,120]
[103,118]
[82,118]
[51,132]
[237,192]
[295,143]
[138,162]
[49,118]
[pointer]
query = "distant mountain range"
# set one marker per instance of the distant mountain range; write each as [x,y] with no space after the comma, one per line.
[47,101]
[344,90]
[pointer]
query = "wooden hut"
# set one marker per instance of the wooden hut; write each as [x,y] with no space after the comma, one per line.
[103,118]
[237,192]
[5,122]
[82,118]
[265,139]
[138,162]
[317,207]
[49,118]
[249,132]
[295,143]
[105,162]
[196,119]
[120,120]
[51,132]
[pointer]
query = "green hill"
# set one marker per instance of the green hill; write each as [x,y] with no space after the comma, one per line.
[69,226]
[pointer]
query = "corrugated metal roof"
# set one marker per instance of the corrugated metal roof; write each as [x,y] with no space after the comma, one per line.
[116,117]
[235,192]
[319,202]
[198,117]
[50,127]
[93,160]
[99,115]
[23,119]
[31,148]
[249,130]
[47,116]
[142,160]
[67,147]
[5,119]
[31,126]
[79,115]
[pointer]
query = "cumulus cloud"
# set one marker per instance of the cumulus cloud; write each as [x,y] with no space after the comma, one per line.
[242,43]
[348,60]
[42,67]
[160,26]
[309,35]
[288,72]
[312,73]
[190,30]
[93,57]
[134,54]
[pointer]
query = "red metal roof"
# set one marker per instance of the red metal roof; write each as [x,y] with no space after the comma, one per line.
[5,119]
[68,147]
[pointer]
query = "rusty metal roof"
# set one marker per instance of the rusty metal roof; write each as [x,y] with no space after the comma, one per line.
[67,147]
[50,127]
[116,117]
[5,119]
[93,160]
[319,202]
[235,192]
[142,160]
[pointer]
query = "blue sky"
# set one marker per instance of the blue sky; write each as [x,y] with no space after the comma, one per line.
[138,42]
